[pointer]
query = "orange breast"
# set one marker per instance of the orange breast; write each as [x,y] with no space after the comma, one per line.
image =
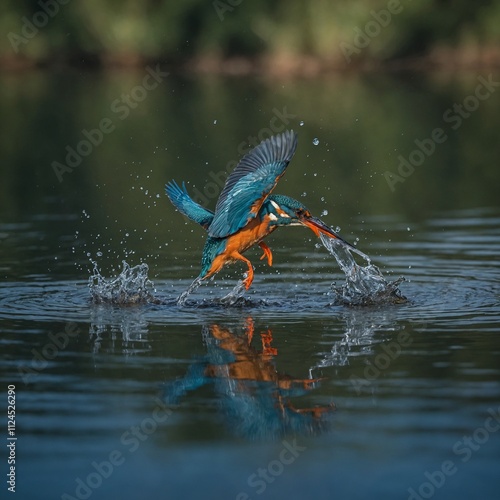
[252,233]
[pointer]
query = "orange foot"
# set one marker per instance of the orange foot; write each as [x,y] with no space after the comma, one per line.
[316,411]
[248,280]
[308,383]
[249,329]
[249,277]
[267,339]
[267,253]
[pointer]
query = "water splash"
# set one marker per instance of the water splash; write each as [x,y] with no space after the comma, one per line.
[364,285]
[234,295]
[181,301]
[131,286]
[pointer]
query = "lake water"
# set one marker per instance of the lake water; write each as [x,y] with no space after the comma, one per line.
[286,394]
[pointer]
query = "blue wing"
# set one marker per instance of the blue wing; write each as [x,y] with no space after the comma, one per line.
[250,183]
[187,206]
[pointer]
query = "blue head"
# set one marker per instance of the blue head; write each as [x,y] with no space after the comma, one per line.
[286,211]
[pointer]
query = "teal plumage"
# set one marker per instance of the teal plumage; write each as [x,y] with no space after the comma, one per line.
[250,183]
[187,206]
[213,247]
[246,211]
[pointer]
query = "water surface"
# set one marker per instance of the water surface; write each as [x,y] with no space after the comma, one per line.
[286,394]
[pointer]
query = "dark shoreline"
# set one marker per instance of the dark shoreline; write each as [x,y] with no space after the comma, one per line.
[450,60]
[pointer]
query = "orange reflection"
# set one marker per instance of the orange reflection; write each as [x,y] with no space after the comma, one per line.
[255,395]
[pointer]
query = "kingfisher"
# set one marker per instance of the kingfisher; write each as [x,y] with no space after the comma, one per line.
[247,211]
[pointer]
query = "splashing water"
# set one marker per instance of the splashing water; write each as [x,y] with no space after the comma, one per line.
[131,286]
[232,298]
[364,285]
[181,301]
[234,295]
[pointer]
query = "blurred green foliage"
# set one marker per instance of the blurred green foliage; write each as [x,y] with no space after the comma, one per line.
[128,32]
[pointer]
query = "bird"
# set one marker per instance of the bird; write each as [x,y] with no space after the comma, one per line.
[247,211]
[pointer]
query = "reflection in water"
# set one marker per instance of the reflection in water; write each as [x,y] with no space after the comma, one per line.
[254,396]
[359,331]
[128,329]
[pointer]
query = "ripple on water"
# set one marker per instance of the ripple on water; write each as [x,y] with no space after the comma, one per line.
[444,284]
[44,301]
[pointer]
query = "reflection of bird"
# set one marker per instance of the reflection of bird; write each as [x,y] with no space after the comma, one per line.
[253,395]
[246,212]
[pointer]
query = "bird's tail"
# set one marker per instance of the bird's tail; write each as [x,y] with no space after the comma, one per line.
[187,206]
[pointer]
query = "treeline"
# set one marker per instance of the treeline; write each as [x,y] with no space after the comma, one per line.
[283,34]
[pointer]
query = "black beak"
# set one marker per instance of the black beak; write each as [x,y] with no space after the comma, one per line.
[318,227]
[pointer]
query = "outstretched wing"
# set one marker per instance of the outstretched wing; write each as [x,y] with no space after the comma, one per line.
[250,183]
[187,206]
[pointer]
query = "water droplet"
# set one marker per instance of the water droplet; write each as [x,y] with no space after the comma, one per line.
[99,254]
[303,194]
[315,141]
[325,212]
[301,123]
[215,122]
[407,228]
[337,229]
[322,198]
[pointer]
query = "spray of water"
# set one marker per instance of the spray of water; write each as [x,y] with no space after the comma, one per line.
[181,301]
[232,298]
[363,285]
[234,295]
[131,286]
